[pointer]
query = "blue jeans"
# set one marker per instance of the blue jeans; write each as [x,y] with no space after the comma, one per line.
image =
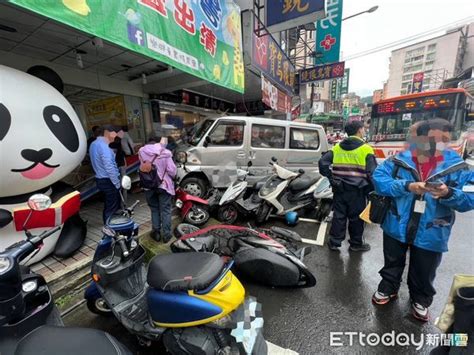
[112,197]
[159,202]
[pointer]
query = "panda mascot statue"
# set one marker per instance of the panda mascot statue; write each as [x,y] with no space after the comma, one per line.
[41,141]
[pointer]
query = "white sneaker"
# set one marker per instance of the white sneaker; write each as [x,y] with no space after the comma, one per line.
[420,312]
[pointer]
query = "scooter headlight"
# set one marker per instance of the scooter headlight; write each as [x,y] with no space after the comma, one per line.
[5,264]
[266,190]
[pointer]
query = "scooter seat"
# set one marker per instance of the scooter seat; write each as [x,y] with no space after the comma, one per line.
[52,340]
[184,271]
[303,182]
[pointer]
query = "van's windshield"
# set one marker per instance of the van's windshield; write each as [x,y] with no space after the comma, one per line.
[199,131]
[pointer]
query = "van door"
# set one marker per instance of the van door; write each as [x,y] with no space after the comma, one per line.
[223,150]
[266,141]
[305,149]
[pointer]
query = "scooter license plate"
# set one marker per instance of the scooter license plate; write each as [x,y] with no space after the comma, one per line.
[248,324]
[179,203]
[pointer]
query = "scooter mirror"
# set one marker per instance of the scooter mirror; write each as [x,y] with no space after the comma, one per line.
[39,202]
[249,164]
[126,182]
[274,159]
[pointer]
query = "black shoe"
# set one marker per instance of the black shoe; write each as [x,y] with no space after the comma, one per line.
[360,247]
[166,238]
[333,247]
[155,235]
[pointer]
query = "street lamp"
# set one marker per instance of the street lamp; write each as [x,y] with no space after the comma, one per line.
[369,11]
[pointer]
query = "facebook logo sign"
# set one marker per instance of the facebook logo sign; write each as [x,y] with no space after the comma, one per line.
[135,35]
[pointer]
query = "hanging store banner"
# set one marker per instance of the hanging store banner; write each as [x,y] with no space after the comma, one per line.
[322,72]
[345,82]
[199,37]
[284,14]
[275,98]
[270,60]
[328,33]
[417,85]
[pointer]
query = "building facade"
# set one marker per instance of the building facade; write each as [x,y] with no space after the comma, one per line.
[438,59]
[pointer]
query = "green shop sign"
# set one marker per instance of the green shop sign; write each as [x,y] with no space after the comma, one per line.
[200,37]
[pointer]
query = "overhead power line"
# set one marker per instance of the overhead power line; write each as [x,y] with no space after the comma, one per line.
[409,39]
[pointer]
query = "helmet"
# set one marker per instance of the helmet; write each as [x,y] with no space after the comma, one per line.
[291,218]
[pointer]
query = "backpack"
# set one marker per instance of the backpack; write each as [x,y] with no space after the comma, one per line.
[148,174]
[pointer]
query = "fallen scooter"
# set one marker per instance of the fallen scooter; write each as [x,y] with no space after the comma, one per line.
[194,210]
[237,200]
[191,301]
[30,323]
[268,256]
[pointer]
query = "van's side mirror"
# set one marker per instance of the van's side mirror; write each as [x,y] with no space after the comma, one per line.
[207,140]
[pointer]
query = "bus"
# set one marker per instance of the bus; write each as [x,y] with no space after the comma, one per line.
[391,119]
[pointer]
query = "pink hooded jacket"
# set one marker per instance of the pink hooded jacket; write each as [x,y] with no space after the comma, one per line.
[165,166]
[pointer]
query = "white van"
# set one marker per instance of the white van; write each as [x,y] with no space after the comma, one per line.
[219,145]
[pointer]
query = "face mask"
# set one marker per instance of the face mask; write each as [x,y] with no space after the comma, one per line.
[441,146]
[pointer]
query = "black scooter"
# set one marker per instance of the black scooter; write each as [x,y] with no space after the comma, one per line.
[30,323]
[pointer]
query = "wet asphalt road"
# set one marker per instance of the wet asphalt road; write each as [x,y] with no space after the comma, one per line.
[302,319]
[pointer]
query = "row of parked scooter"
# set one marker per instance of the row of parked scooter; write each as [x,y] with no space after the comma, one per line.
[284,193]
[191,299]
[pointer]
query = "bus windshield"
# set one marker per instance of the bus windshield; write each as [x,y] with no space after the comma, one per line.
[392,119]
[199,131]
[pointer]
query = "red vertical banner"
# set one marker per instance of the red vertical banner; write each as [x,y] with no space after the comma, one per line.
[417,85]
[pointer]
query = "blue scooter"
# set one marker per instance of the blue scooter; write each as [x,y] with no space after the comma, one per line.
[191,301]
[30,323]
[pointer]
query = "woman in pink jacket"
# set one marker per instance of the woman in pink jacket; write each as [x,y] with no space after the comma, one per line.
[160,199]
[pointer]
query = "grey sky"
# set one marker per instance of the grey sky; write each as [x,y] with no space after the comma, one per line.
[394,20]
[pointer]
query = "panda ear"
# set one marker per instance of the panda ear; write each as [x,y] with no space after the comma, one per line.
[5,121]
[48,75]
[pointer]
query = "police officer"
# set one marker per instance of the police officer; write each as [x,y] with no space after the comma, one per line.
[353,162]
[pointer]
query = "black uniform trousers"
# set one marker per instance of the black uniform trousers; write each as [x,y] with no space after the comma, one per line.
[421,271]
[349,202]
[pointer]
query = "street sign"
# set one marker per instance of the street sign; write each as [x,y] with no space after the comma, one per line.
[328,33]
[322,72]
[345,113]
[345,82]
[284,14]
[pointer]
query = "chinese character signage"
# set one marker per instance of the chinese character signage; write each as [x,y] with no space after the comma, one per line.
[335,90]
[200,37]
[275,98]
[417,85]
[270,60]
[328,33]
[345,82]
[322,72]
[284,14]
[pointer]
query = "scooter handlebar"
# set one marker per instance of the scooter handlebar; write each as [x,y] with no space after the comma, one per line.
[123,246]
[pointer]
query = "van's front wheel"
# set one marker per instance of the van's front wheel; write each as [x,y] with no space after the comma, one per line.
[194,186]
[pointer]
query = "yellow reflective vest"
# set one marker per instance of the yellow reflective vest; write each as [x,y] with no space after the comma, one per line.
[351,165]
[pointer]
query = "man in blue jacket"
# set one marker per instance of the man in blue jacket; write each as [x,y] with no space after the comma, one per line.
[427,182]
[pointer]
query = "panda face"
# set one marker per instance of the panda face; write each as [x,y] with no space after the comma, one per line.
[41,137]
